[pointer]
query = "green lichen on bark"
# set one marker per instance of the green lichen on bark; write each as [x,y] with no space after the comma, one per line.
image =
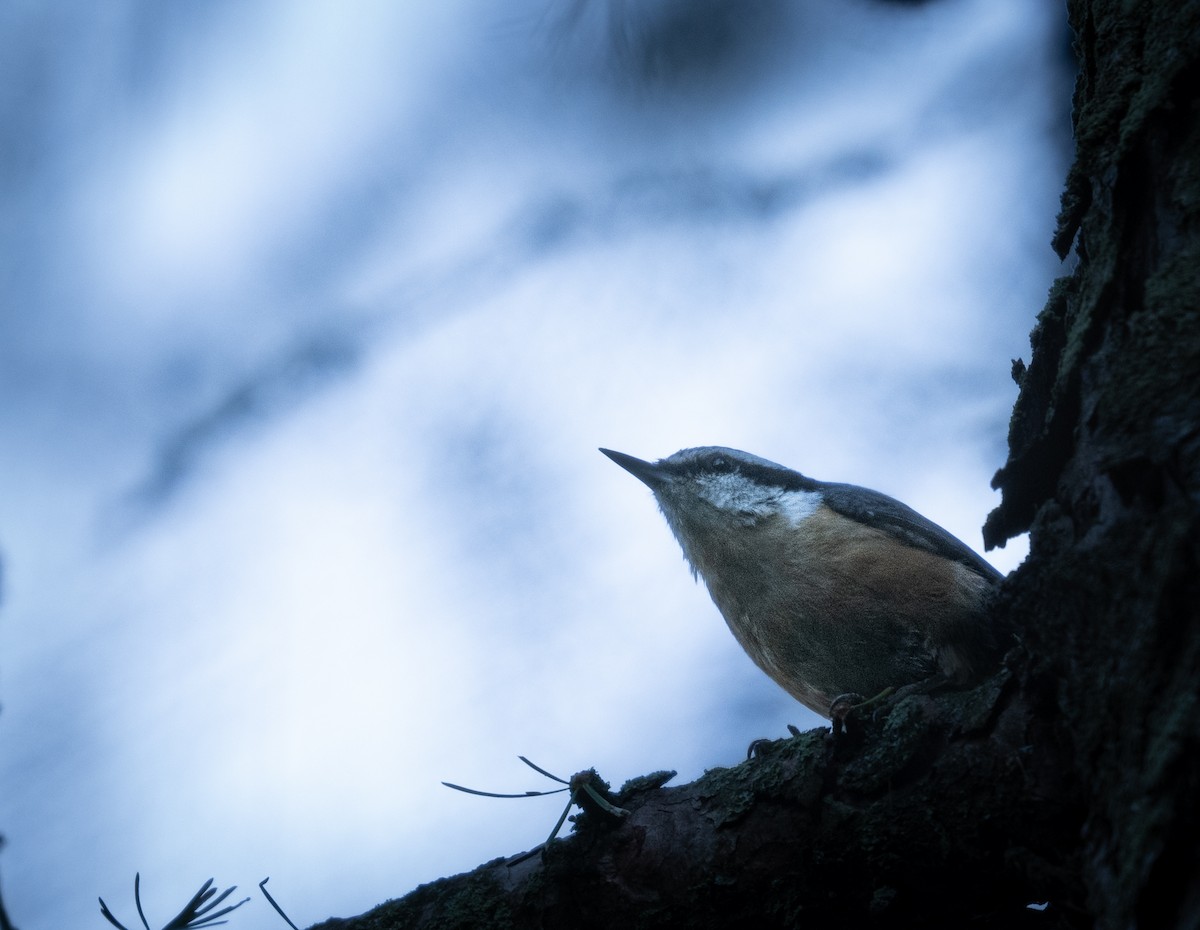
[1109,483]
[472,900]
[812,828]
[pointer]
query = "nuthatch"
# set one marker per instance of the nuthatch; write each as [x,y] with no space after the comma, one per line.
[831,588]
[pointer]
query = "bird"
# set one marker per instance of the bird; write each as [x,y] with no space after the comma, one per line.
[833,590]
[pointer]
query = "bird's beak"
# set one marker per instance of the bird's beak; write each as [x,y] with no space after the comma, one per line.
[646,472]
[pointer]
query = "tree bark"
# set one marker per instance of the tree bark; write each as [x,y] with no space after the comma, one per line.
[1104,465]
[1072,776]
[935,814]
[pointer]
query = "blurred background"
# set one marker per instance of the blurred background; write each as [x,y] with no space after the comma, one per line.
[312,316]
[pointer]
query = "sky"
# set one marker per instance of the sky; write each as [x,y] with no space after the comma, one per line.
[312,318]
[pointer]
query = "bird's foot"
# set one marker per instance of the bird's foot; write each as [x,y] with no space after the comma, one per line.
[844,705]
[758,747]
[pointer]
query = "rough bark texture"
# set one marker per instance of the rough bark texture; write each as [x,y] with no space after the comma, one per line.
[1104,464]
[882,829]
[1073,775]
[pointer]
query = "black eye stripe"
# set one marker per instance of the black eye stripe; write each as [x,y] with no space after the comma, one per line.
[710,465]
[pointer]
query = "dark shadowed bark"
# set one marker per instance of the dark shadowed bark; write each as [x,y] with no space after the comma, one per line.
[938,811]
[1104,465]
[1072,776]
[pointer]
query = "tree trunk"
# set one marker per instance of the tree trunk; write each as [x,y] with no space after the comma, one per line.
[1104,465]
[1071,777]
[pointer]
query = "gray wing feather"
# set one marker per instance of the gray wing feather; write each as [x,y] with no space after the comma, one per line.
[905,524]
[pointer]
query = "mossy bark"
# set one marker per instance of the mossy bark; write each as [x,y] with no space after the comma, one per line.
[881,828]
[1104,467]
[1073,775]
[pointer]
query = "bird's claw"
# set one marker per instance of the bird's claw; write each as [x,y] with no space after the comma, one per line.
[842,707]
[758,747]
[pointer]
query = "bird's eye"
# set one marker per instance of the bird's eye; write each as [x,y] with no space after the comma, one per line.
[720,463]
